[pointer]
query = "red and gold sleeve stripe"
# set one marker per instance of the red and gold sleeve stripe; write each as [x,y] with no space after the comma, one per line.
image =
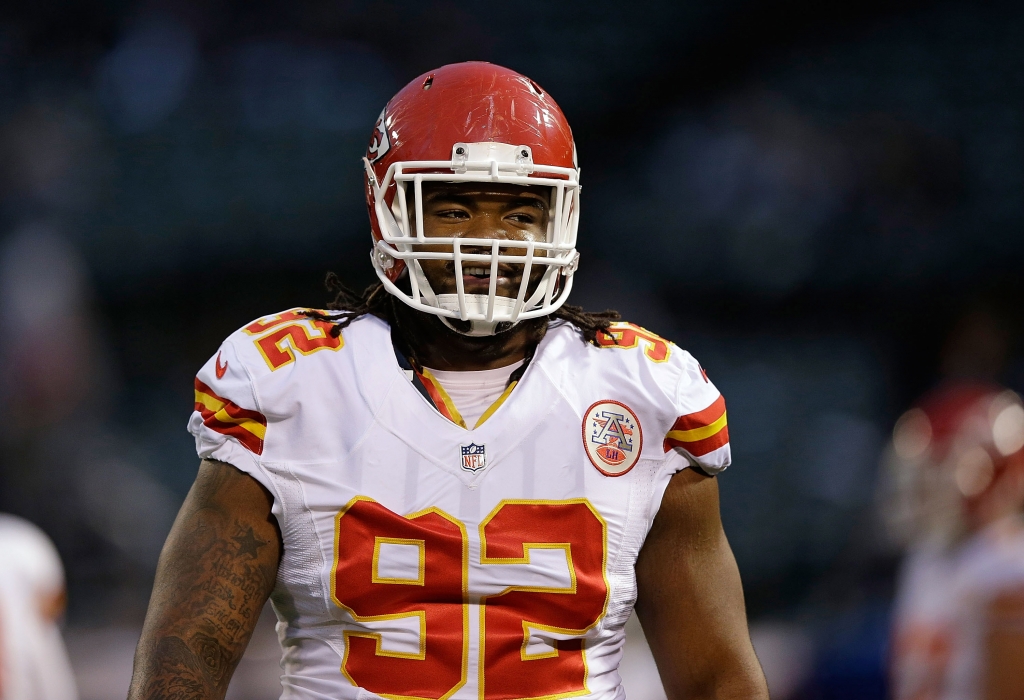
[223,416]
[701,432]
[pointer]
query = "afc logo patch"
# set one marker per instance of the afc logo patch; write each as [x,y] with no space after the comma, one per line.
[612,437]
[474,457]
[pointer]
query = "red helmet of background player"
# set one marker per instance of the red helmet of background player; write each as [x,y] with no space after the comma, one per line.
[472,122]
[947,456]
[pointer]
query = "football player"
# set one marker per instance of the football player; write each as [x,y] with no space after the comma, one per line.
[33,662]
[954,493]
[454,485]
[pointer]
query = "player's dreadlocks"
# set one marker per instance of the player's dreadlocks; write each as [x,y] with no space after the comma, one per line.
[349,305]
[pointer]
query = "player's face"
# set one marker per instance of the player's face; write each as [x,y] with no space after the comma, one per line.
[487,211]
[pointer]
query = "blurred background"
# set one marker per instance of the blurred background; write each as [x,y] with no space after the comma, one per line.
[821,201]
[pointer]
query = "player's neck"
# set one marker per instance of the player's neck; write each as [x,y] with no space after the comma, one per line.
[436,346]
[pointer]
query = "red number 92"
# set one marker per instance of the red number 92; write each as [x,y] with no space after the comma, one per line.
[406,581]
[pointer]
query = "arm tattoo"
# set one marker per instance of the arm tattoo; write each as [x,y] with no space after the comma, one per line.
[216,571]
[249,544]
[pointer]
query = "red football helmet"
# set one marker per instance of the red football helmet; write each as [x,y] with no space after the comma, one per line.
[472,122]
[947,455]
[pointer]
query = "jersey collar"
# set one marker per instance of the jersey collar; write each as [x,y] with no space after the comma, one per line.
[429,388]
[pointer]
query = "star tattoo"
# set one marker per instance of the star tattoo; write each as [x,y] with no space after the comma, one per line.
[249,543]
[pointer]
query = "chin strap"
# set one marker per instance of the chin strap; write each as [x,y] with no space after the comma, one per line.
[477,329]
[475,303]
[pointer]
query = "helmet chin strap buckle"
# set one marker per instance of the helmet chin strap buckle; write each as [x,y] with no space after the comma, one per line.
[477,329]
[476,305]
[570,269]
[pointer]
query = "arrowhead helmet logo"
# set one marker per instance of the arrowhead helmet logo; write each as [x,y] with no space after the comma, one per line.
[612,437]
[380,144]
[474,457]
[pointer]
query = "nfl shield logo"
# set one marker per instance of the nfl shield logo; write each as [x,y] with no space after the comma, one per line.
[474,457]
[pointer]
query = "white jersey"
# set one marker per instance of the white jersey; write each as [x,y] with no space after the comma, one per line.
[948,601]
[33,662]
[423,559]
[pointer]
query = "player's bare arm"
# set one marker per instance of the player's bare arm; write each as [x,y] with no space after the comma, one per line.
[690,600]
[216,571]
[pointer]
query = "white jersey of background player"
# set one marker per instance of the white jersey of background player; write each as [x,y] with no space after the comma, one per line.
[456,485]
[33,662]
[957,486]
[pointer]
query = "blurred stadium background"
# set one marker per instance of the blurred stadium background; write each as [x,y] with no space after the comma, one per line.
[822,201]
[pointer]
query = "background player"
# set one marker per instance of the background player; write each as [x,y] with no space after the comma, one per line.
[955,483]
[33,661]
[471,540]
